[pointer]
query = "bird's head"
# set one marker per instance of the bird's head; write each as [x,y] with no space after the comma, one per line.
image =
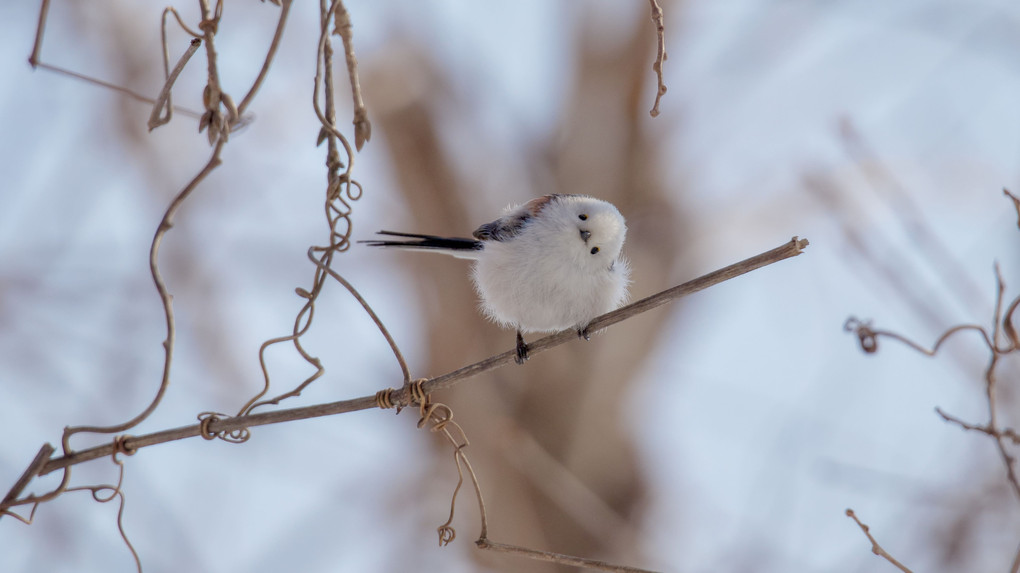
[592,229]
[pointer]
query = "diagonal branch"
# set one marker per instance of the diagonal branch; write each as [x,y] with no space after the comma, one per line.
[875,547]
[402,397]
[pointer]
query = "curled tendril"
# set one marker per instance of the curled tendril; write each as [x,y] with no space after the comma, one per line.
[446,534]
[867,337]
[234,436]
[120,447]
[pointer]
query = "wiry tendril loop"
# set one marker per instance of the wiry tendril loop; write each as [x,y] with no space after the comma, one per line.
[419,396]
[120,447]
[866,336]
[446,535]
[440,415]
[384,399]
[234,437]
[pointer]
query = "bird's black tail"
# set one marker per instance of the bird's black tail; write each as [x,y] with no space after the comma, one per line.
[426,242]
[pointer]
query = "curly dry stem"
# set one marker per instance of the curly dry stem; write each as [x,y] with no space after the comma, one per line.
[322,267]
[166,298]
[660,54]
[115,491]
[441,417]
[875,547]
[1002,326]
[402,397]
[340,189]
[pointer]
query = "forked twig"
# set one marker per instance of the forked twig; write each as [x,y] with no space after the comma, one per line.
[875,547]
[1002,326]
[35,60]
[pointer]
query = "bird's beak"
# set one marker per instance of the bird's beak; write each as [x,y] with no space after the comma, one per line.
[585,235]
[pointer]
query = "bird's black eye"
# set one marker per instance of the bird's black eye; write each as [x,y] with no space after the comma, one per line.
[583,217]
[594,250]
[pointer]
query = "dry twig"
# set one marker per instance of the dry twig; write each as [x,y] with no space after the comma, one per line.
[875,547]
[1016,204]
[1003,327]
[660,54]
[1001,341]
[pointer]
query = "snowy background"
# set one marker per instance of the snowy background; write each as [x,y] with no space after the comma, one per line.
[883,132]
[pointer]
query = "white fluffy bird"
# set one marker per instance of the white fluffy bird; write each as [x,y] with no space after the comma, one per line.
[550,264]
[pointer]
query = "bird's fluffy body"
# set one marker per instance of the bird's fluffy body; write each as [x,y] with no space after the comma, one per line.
[550,264]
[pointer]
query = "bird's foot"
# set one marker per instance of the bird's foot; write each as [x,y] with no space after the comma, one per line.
[584,333]
[522,349]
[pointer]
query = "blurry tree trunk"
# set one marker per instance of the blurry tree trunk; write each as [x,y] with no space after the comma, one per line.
[542,430]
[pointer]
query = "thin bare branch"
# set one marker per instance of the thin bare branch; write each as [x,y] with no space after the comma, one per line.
[402,397]
[30,472]
[1008,433]
[163,99]
[556,557]
[165,225]
[40,29]
[789,249]
[97,82]
[1016,204]
[660,54]
[875,547]
[246,101]
[344,27]
[868,338]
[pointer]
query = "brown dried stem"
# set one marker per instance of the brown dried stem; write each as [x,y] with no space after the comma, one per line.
[362,127]
[163,100]
[36,62]
[1001,324]
[115,491]
[273,46]
[556,557]
[30,472]
[40,28]
[660,54]
[1016,204]
[1008,433]
[875,547]
[340,188]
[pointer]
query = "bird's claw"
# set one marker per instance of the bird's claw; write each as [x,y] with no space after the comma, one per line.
[522,350]
[583,333]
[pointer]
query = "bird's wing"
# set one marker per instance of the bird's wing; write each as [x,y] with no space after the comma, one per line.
[509,225]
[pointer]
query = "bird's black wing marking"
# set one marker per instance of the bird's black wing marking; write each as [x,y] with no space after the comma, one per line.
[502,229]
[426,242]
